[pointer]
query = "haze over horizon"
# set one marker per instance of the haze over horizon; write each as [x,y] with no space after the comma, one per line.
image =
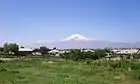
[30,21]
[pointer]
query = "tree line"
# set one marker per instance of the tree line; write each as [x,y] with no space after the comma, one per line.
[9,48]
[13,48]
[78,55]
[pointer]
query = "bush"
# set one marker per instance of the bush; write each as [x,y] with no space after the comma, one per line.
[78,55]
[137,56]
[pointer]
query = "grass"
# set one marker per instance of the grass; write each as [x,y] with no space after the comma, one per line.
[54,71]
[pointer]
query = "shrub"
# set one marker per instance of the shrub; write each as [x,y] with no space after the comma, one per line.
[78,55]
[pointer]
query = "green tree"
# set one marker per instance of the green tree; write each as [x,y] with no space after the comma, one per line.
[11,47]
[78,55]
[100,53]
[1,49]
[44,50]
[108,50]
[6,48]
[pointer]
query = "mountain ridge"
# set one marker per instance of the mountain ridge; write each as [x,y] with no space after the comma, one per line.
[77,41]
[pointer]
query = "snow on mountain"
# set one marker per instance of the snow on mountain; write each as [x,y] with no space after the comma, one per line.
[77,37]
[77,41]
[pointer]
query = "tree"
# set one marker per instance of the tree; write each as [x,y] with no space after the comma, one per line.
[14,48]
[11,47]
[1,49]
[100,53]
[6,48]
[78,55]
[44,50]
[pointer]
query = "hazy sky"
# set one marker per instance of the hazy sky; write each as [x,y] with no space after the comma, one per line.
[27,21]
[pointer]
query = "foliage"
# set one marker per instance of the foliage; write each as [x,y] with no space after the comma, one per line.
[78,55]
[137,56]
[52,71]
[11,47]
[100,53]
[44,50]
[14,48]
[6,48]
[1,49]
[108,50]
[122,64]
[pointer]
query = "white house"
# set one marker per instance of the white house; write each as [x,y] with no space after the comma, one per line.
[54,52]
[126,51]
[87,50]
[25,51]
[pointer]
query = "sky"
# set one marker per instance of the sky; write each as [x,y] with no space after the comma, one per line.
[27,21]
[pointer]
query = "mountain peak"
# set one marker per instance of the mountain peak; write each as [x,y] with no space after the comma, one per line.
[77,37]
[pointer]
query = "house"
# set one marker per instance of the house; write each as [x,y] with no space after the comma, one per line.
[87,50]
[36,52]
[55,52]
[126,51]
[25,51]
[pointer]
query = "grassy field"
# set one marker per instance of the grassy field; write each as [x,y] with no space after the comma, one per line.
[51,71]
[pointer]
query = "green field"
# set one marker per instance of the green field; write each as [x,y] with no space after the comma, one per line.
[53,71]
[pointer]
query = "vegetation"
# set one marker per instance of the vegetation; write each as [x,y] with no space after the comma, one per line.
[78,55]
[74,67]
[1,49]
[11,47]
[44,50]
[59,71]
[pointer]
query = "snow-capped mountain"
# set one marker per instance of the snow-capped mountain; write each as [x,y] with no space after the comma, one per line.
[77,37]
[77,41]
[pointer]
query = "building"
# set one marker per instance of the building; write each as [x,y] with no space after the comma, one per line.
[25,51]
[55,52]
[87,50]
[126,51]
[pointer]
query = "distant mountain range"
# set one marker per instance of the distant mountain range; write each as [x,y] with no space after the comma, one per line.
[77,41]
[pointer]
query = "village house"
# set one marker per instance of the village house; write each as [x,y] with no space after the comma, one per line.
[25,51]
[126,51]
[54,52]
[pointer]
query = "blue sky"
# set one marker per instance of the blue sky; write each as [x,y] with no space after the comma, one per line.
[27,21]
